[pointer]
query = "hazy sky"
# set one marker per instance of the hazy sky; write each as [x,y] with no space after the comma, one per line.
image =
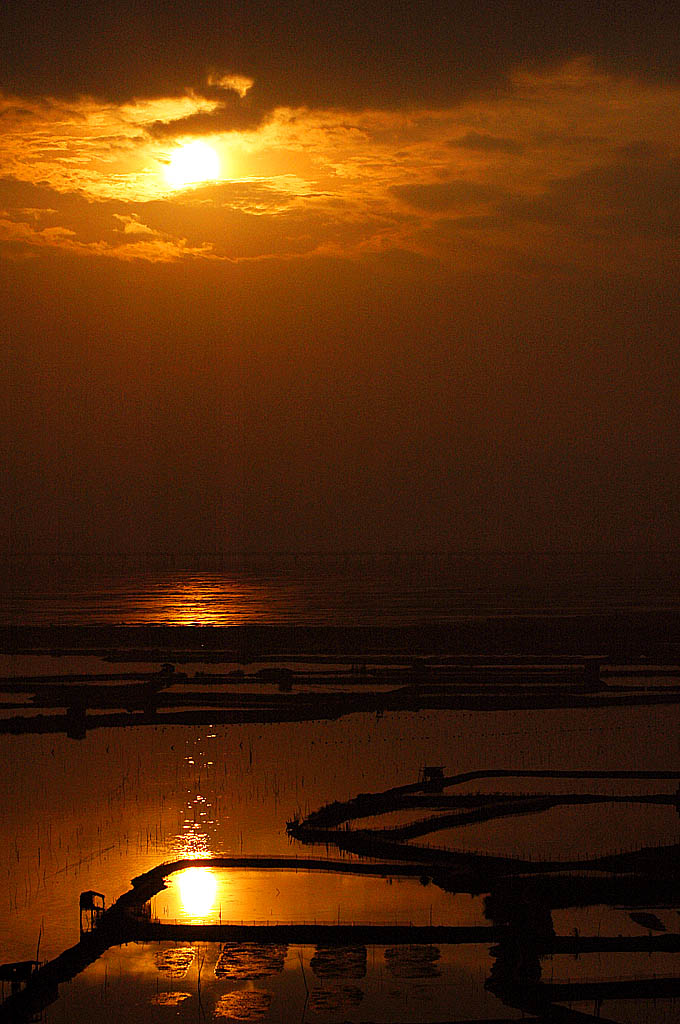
[421,291]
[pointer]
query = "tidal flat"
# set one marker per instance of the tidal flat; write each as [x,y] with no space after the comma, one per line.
[92,813]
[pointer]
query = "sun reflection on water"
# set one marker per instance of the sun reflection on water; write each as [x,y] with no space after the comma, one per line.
[197,891]
[209,600]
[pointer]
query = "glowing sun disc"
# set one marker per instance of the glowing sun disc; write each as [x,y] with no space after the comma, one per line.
[195,162]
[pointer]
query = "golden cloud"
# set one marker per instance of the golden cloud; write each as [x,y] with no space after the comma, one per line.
[237,83]
[553,164]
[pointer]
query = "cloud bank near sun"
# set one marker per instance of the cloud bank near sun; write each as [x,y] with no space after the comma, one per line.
[570,160]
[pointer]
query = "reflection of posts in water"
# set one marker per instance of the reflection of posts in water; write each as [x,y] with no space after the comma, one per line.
[76,722]
[339,961]
[526,925]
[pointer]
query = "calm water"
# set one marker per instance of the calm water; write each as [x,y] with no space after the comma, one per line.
[124,986]
[76,815]
[330,589]
[91,814]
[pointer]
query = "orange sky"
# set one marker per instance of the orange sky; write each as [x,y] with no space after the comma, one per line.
[428,298]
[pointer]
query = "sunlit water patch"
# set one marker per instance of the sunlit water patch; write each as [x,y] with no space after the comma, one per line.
[564,833]
[236,895]
[600,919]
[339,962]
[243,1005]
[246,961]
[175,960]
[95,813]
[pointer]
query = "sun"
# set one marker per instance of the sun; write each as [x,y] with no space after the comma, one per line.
[194,162]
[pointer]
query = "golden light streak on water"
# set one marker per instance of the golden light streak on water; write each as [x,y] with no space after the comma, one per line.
[208,601]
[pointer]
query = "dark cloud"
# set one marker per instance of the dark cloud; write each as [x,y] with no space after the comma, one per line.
[643,149]
[446,195]
[635,198]
[17,113]
[233,113]
[377,53]
[51,208]
[486,143]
